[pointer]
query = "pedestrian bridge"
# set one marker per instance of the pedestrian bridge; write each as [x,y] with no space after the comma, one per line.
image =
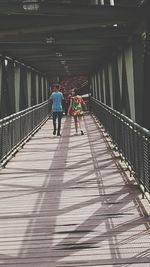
[71,201]
[75,201]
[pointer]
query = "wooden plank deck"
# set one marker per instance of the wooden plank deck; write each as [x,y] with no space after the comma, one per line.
[66,202]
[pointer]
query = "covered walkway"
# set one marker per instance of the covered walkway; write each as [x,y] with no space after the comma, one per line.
[68,202]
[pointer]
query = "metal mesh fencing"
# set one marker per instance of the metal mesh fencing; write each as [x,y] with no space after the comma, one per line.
[130,139]
[16,128]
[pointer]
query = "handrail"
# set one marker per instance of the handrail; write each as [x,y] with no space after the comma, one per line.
[17,128]
[130,139]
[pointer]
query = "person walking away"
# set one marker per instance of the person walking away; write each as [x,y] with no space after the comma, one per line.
[76,111]
[57,98]
[67,103]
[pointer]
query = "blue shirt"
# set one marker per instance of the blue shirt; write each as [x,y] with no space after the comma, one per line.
[56,98]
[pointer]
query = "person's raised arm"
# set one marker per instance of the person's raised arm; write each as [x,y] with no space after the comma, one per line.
[70,106]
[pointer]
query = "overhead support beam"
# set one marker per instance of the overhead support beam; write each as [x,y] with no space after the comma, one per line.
[81,33]
[97,33]
[71,43]
[104,12]
[48,29]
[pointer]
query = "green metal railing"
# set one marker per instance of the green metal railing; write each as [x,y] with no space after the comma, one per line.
[17,128]
[130,139]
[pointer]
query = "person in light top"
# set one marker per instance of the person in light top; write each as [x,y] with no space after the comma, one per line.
[56,99]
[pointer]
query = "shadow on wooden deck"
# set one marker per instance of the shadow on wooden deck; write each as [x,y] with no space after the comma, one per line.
[67,202]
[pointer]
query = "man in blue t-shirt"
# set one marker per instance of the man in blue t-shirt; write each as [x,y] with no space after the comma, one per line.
[56,98]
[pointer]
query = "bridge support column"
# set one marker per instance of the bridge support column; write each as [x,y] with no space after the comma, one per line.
[146,93]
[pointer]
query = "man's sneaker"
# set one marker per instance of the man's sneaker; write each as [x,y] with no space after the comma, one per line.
[82,133]
[54,132]
[58,134]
